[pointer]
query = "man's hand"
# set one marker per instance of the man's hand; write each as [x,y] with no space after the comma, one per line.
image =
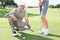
[7,16]
[13,17]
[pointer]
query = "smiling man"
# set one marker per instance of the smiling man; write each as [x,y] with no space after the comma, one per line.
[15,18]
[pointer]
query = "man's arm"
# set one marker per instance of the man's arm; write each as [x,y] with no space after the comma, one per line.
[26,20]
[11,16]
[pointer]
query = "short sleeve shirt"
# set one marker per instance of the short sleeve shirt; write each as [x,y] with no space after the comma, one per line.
[15,10]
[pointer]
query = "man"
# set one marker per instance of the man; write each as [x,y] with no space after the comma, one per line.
[15,18]
[43,4]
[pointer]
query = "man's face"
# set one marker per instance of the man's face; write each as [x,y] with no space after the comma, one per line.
[21,7]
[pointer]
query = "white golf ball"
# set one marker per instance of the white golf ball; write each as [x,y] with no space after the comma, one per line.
[23,37]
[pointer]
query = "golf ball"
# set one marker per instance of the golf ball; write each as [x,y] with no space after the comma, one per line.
[23,37]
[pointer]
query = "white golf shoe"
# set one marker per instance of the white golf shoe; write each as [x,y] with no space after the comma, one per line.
[46,32]
[42,31]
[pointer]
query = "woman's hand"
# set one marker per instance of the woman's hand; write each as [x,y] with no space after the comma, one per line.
[39,4]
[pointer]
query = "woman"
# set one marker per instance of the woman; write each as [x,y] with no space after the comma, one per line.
[15,18]
[43,4]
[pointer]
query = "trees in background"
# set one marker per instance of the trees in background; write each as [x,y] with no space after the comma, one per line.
[54,6]
[4,3]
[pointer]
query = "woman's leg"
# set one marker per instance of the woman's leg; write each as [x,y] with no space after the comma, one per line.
[44,25]
[44,21]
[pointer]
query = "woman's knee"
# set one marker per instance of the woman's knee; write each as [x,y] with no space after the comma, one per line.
[42,17]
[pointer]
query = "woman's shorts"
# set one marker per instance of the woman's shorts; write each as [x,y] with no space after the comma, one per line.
[44,7]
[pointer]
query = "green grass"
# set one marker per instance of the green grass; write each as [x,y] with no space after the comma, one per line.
[53,16]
